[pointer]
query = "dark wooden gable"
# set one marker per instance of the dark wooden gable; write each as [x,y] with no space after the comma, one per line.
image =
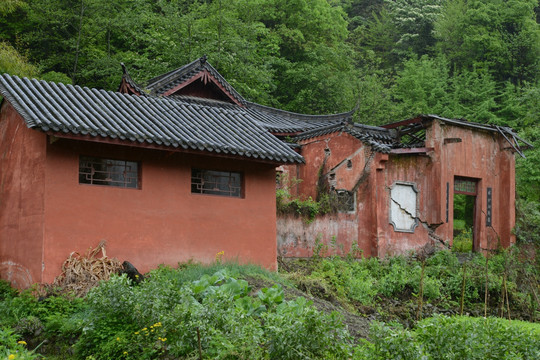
[203,85]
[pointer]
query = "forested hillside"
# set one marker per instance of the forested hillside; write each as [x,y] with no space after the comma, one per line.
[473,59]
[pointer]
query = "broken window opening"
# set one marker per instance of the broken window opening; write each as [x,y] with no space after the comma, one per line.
[108,172]
[213,182]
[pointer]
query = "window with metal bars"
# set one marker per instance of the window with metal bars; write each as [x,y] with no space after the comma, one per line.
[213,182]
[108,172]
[464,186]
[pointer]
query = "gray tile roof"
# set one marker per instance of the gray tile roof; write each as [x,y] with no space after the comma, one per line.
[286,122]
[380,139]
[74,110]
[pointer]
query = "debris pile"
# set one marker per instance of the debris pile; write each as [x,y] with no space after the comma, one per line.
[81,273]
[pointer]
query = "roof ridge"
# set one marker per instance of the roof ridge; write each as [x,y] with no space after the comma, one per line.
[305,117]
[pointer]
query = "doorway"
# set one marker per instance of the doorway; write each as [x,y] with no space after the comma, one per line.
[465,196]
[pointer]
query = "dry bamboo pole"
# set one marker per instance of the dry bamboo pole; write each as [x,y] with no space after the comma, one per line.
[486,289]
[462,300]
[503,294]
[421,293]
[199,342]
[507,299]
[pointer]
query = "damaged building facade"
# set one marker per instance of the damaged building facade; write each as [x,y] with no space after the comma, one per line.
[396,186]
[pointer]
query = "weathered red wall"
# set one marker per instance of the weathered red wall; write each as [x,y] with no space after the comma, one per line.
[22,186]
[338,233]
[163,222]
[341,146]
[333,234]
[481,155]
[486,157]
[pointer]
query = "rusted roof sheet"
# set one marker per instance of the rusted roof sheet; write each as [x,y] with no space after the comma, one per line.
[174,124]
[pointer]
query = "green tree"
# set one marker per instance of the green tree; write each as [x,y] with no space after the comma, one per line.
[503,35]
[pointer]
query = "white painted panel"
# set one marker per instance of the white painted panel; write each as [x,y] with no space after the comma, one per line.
[403,207]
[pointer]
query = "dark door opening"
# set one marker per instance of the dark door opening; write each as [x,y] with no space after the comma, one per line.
[465,191]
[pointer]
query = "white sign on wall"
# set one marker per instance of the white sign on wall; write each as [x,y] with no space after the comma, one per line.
[403,204]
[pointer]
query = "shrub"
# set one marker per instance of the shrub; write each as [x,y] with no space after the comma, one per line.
[478,338]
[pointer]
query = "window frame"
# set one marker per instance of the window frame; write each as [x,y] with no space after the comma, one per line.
[217,192]
[104,160]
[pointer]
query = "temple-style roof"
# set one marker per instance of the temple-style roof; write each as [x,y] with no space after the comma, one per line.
[380,139]
[144,121]
[173,82]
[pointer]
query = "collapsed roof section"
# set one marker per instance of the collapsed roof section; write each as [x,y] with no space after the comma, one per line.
[411,133]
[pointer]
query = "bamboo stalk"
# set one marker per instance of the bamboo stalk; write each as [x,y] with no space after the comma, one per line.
[199,342]
[486,289]
[501,313]
[507,300]
[421,293]
[462,300]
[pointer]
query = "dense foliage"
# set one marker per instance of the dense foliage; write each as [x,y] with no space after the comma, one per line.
[228,311]
[393,59]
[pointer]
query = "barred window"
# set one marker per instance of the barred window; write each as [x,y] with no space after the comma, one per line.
[213,182]
[345,200]
[108,172]
[464,186]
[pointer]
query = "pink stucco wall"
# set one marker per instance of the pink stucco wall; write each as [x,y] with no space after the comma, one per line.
[163,222]
[22,186]
[46,214]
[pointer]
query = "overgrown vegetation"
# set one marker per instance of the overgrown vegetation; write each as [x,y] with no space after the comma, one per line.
[231,311]
[308,208]
[446,284]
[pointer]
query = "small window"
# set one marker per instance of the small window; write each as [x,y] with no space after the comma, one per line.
[345,200]
[108,172]
[213,182]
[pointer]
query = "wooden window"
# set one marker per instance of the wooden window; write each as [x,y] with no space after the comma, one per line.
[108,172]
[464,186]
[213,182]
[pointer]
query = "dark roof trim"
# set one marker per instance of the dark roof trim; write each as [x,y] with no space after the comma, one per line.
[120,142]
[379,139]
[128,85]
[422,150]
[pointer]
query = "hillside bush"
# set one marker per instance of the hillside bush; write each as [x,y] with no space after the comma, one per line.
[168,315]
[453,338]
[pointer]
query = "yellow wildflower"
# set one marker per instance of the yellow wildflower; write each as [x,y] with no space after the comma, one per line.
[125,352]
[22,342]
[117,339]
[163,339]
[219,255]
[144,329]
[11,357]
[136,333]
